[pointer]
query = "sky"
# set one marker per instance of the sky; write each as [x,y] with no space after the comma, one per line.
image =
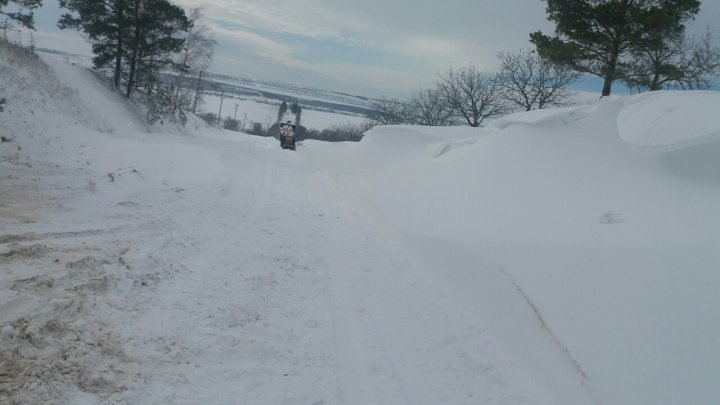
[369,47]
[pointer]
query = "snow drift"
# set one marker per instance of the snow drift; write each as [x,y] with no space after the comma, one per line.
[668,120]
[616,248]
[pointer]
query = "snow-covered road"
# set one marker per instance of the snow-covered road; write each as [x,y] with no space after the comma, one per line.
[555,257]
[290,294]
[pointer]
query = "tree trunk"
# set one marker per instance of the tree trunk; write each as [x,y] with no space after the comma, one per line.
[655,85]
[609,76]
[131,76]
[135,50]
[119,50]
[611,72]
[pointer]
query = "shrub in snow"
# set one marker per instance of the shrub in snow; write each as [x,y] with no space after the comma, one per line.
[209,117]
[343,132]
[231,124]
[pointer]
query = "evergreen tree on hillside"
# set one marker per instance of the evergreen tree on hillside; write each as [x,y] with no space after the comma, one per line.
[139,34]
[597,36]
[156,37]
[107,25]
[24,15]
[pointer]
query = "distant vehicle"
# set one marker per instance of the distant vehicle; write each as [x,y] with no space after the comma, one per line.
[287,135]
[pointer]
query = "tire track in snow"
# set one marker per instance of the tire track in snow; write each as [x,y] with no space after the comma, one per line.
[480,283]
[472,289]
[366,373]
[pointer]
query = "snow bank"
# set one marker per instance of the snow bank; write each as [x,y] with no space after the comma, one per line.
[670,120]
[617,251]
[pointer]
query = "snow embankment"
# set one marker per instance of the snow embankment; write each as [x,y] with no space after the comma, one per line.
[618,251]
[670,120]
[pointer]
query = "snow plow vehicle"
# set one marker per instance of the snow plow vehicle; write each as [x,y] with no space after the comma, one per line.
[287,135]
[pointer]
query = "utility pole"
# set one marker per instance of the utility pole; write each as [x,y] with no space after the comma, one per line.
[222,95]
[5,28]
[236,107]
[197,92]
[244,121]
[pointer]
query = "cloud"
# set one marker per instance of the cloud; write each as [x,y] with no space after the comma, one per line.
[305,18]
[437,53]
[257,46]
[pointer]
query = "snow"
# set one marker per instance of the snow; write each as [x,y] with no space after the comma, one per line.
[565,256]
[669,121]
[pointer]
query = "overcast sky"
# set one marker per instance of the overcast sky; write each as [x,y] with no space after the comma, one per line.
[368,47]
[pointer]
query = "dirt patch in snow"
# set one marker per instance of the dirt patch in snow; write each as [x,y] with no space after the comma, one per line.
[57,288]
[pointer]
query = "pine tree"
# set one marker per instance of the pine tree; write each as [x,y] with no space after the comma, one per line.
[107,25]
[597,36]
[24,15]
[140,33]
[155,38]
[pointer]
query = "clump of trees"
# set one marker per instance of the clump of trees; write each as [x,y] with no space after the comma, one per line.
[24,14]
[341,132]
[676,62]
[639,42]
[231,124]
[470,96]
[151,46]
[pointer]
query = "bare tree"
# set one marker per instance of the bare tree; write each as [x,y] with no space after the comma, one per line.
[387,111]
[676,61]
[473,95]
[197,55]
[532,83]
[427,107]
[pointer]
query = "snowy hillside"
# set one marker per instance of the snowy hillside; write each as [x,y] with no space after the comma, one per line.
[256,101]
[567,256]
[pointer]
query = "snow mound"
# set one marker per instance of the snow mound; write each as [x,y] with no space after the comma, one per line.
[670,120]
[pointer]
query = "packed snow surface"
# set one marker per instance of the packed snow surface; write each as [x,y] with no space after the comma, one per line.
[545,259]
